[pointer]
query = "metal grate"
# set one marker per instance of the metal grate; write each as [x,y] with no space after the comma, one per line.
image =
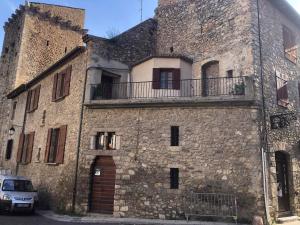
[211,205]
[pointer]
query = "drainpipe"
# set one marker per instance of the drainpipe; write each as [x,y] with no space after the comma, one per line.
[79,137]
[264,138]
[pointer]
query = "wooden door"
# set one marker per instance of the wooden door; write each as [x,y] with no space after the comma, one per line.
[103,185]
[282,174]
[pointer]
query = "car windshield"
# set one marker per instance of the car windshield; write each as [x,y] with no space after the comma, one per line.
[17,185]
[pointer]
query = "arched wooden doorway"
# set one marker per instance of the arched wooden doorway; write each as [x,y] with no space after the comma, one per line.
[103,185]
[210,85]
[283,186]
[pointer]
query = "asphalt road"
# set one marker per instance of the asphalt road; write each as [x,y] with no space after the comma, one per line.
[22,219]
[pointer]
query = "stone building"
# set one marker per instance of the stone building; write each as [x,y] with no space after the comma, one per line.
[203,98]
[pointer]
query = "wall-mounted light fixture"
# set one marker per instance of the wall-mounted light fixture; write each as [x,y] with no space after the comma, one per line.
[12,130]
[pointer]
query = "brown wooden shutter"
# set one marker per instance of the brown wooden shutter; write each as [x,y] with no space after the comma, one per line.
[299,90]
[30,147]
[48,145]
[54,96]
[61,144]
[176,79]
[36,97]
[20,147]
[283,93]
[156,78]
[28,103]
[67,81]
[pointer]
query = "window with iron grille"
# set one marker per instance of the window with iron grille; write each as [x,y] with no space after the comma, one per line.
[174,178]
[174,136]
[107,141]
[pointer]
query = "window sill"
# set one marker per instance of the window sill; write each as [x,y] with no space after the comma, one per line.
[52,164]
[175,148]
[59,99]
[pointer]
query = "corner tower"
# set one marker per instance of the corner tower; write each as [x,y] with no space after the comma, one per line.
[36,36]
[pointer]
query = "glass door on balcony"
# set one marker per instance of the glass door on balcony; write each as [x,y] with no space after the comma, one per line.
[106,87]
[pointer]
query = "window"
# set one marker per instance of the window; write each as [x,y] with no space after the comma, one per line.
[9,149]
[6,50]
[282,92]
[61,84]
[100,140]
[47,43]
[174,178]
[17,185]
[66,49]
[278,122]
[290,45]
[25,148]
[166,79]
[174,136]
[107,141]
[230,73]
[33,99]
[55,146]
[13,111]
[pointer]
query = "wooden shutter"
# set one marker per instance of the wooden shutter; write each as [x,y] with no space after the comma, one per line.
[61,144]
[48,145]
[30,147]
[54,87]
[36,97]
[176,79]
[299,90]
[28,103]
[20,147]
[67,81]
[283,93]
[156,78]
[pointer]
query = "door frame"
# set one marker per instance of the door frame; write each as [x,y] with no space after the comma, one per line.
[281,158]
[91,178]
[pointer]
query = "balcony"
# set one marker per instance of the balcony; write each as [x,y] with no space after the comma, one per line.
[170,91]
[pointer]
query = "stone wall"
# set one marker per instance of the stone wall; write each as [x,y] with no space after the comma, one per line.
[215,155]
[54,182]
[130,46]
[275,63]
[207,30]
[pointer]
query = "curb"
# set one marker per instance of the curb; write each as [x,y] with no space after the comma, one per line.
[124,221]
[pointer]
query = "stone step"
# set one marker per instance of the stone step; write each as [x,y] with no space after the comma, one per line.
[289,220]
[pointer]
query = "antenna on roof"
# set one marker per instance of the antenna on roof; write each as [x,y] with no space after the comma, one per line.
[141,10]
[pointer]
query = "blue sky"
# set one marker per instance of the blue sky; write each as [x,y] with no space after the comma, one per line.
[101,15]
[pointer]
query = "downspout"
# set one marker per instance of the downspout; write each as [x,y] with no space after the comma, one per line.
[79,136]
[264,138]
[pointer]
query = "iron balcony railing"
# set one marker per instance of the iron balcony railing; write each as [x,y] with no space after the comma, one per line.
[221,86]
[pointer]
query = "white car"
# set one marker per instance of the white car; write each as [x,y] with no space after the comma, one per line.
[17,194]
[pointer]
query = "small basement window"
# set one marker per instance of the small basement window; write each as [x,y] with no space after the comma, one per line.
[174,136]
[174,178]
